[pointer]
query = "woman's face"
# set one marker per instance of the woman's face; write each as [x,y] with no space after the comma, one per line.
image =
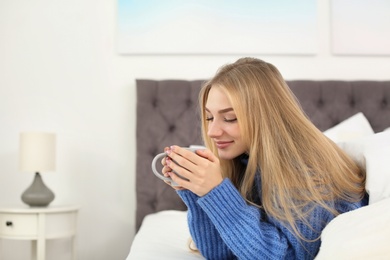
[223,127]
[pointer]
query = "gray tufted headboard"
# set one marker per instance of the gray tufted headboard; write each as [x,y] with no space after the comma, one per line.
[167,113]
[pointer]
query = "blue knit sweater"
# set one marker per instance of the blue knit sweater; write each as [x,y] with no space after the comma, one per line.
[224,226]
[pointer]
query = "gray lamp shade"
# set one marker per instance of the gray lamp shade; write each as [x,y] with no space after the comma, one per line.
[37,154]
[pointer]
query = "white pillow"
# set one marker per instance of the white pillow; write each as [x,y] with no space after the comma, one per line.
[359,234]
[373,152]
[378,171]
[354,127]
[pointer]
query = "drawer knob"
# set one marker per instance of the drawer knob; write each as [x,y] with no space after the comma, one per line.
[8,223]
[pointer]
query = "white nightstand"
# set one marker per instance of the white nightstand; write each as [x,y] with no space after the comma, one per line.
[39,224]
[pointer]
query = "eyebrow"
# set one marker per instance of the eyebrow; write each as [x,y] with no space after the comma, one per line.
[222,111]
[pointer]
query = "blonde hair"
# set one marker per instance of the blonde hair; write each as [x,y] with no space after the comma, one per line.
[300,167]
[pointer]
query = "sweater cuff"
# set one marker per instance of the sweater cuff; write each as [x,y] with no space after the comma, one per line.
[188,197]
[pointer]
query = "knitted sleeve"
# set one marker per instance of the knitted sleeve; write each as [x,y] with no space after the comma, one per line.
[224,226]
[202,230]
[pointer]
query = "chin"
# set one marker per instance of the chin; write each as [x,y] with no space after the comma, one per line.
[224,155]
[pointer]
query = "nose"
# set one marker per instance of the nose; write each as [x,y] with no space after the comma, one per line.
[214,130]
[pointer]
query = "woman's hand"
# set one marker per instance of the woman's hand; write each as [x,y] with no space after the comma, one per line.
[202,169]
[166,170]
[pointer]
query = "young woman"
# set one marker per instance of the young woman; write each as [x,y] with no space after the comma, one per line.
[269,181]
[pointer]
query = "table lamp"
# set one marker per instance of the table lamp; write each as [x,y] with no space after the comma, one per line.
[37,154]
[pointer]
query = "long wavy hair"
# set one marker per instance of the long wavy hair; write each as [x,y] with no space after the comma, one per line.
[300,167]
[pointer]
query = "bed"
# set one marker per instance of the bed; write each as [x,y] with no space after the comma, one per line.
[356,114]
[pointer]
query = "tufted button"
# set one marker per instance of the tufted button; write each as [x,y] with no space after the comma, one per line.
[320,103]
[154,103]
[384,103]
[352,102]
[154,205]
[189,102]
[171,128]
[153,152]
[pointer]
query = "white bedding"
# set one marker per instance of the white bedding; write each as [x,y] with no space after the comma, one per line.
[163,235]
[360,234]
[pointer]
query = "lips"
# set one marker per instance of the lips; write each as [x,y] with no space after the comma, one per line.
[223,144]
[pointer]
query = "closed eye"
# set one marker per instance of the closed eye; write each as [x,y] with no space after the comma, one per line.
[230,120]
[225,119]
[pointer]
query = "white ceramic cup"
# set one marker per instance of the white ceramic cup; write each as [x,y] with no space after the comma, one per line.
[158,158]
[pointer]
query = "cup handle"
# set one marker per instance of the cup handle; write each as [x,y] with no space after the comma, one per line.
[160,175]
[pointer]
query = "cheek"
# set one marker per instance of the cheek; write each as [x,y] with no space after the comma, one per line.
[234,131]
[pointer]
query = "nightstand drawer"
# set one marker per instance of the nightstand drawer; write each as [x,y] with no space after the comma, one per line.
[18,225]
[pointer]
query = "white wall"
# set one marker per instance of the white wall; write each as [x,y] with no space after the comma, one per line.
[59,72]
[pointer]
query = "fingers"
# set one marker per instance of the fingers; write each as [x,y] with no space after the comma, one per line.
[181,184]
[182,156]
[202,169]
[163,159]
[207,154]
[192,166]
[174,187]
[167,171]
[165,168]
[181,168]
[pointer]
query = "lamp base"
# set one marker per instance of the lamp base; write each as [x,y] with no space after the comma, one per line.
[37,195]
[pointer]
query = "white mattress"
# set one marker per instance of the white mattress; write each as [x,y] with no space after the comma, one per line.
[163,235]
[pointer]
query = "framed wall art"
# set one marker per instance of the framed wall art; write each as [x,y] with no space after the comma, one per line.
[217,27]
